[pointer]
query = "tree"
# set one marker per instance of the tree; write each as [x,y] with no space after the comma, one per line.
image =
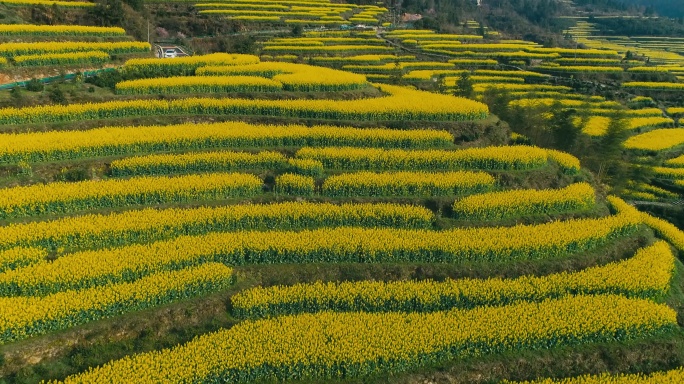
[610,145]
[34,85]
[498,101]
[606,156]
[53,15]
[58,14]
[649,11]
[530,120]
[428,23]
[238,44]
[563,128]
[106,79]
[464,86]
[481,30]
[441,84]
[108,13]
[136,4]
[17,97]
[244,44]
[57,96]
[297,30]
[396,75]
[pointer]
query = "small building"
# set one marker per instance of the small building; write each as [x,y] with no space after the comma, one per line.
[410,17]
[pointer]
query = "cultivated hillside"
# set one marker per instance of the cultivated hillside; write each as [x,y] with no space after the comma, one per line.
[311,191]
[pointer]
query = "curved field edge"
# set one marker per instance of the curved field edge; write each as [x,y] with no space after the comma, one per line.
[396,106]
[661,353]
[63,353]
[489,129]
[548,176]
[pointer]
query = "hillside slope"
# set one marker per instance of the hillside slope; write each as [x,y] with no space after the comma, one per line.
[668,8]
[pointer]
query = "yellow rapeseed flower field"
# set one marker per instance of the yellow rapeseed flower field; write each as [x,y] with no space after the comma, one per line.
[514,203]
[656,140]
[653,86]
[197,84]
[319,345]
[399,103]
[393,184]
[646,275]
[364,245]
[20,257]
[488,158]
[71,58]
[108,141]
[59,30]
[92,231]
[676,162]
[50,3]
[112,48]
[62,197]
[293,184]
[183,66]
[293,77]
[197,162]
[24,317]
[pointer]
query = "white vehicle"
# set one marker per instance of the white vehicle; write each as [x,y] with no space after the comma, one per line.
[170,53]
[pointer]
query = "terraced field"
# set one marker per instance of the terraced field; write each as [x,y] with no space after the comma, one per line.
[334,208]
